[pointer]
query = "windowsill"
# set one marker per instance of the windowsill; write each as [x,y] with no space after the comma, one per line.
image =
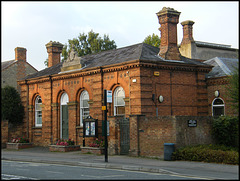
[37,127]
[79,127]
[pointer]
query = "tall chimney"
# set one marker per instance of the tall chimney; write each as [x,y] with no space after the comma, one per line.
[187,32]
[20,53]
[54,50]
[168,19]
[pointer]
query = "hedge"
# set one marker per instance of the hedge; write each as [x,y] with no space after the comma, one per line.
[208,153]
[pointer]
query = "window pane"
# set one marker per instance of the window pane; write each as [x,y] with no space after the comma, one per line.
[39,100]
[38,107]
[120,101]
[85,103]
[218,102]
[218,111]
[85,113]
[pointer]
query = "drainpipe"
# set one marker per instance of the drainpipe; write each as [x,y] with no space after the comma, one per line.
[171,92]
[27,115]
[50,78]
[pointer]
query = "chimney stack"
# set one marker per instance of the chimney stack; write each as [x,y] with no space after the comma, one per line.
[168,19]
[54,50]
[187,32]
[20,53]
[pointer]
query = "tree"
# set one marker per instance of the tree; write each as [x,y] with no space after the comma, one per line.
[11,106]
[153,40]
[233,88]
[88,44]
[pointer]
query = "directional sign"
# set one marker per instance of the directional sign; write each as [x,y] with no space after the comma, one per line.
[109,96]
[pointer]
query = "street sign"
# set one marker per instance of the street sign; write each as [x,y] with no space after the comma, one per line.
[109,96]
[192,123]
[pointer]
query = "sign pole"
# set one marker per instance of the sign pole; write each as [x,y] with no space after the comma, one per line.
[105,125]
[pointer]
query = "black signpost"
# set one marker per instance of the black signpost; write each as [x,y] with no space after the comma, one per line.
[105,124]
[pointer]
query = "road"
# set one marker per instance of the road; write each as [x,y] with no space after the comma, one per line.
[15,170]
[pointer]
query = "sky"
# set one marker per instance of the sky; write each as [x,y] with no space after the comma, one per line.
[32,24]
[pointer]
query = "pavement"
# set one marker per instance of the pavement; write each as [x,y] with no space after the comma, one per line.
[120,162]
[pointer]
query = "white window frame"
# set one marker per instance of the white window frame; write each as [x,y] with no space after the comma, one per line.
[38,111]
[218,105]
[118,91]
[83,110]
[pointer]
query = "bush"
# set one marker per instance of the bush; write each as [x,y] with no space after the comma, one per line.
[11,106]
[225,131]
[208,153]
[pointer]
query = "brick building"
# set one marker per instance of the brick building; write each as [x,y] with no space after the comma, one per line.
[203,50]
[223,58]
[217,85]
[144,80]
[17,69]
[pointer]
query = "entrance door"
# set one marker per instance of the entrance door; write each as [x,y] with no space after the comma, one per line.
[124,136]
[64,121]
[64,117]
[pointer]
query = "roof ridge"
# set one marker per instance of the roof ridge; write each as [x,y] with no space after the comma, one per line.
[141,51]
[223,66]
[105,51]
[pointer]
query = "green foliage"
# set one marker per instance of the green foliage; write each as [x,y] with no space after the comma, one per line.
[88,44]
[46,62]
[153,40]
[208,153]
[225,130]
[233,89]
[11,106]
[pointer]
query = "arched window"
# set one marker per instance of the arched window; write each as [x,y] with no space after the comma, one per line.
[84,106]
[218,107]
[119,103]
[38,111]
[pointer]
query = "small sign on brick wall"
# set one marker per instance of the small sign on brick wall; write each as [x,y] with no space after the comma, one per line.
[192,123]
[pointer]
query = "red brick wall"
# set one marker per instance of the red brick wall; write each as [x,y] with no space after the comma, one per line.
[220,84]
[149,133]
[10,131]
[178,86]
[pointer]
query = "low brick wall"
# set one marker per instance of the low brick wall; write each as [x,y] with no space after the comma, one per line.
[93,150]
[149,133]
[17,146]
[61,148]
[9,131]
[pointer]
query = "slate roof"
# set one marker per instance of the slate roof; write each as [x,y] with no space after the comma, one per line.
[6,64]
[222,66]
[214,45]
[139,51]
